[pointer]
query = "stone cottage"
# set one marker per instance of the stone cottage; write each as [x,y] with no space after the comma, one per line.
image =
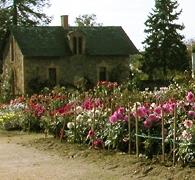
[62,54]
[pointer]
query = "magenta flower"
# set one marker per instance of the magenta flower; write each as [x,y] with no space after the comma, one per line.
[121,110]
[172,106]
[167,108]
[118,115]
[153,118]
[113,119]
[191,114]
[88,104]
[190,97]
[148,123]
[141,111]
[158,110]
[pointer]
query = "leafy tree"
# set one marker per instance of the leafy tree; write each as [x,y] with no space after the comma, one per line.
[165,52]
[22,12]
[136,74]
[87,20]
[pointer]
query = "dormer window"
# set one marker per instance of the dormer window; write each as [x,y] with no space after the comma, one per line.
[77,43]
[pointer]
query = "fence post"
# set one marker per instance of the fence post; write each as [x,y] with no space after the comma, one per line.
[75,124]
[163,137]
[174,134]
[129,128]
[136,131]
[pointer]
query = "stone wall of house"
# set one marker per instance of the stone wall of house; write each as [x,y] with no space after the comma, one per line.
[70,69]
[13,66]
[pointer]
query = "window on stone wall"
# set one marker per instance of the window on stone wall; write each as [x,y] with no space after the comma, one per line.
[12,50]
[52,76]
[13,82]
[102,73]
[74,39]
[80,45]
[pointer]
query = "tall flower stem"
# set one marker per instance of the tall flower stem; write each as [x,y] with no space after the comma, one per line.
[136,131]
[174,134]
[129,128]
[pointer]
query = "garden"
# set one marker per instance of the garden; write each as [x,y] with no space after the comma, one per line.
[156,124]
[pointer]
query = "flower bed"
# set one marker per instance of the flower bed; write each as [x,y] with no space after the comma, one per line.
[111,117]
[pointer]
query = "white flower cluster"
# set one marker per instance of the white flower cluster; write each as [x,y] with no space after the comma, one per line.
[86,117]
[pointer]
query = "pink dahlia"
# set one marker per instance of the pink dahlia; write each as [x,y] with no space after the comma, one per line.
[190,96]
[191,114]
[141,111]
[113,119]
[153,118]
[158,110]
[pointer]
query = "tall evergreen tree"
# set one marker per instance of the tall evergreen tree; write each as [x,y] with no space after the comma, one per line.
[165,52]
[22,12]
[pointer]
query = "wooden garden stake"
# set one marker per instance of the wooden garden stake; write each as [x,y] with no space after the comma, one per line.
[163,137]
[75,123]
[129,128]
[62,131]
[174,134]
[136,131]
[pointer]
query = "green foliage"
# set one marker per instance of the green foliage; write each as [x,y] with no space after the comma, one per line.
[193,48]
[136,74]
[164,49]
[22,12]
[5,86]
[87,20]
[115,135]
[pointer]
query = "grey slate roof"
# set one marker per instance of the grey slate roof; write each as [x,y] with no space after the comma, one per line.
[52,40]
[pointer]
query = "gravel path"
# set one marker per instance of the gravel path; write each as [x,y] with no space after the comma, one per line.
[32,157]
[19,162]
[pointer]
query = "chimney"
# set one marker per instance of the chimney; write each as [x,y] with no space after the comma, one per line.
[64,21]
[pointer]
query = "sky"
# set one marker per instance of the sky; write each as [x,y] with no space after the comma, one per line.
[130,14]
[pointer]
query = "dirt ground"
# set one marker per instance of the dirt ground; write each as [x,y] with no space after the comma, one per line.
[33,157]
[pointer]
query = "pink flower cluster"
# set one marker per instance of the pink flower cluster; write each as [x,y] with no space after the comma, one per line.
[191,114]
[151,120]
[190,97]
[37,109]
[169,107]
[142,111]
[89,104]
[107,84]
[119,114]
[152,113]
[66,109]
